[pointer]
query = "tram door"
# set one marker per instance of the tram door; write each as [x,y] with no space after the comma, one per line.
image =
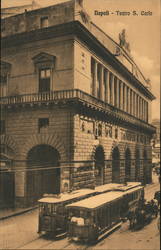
[99,166]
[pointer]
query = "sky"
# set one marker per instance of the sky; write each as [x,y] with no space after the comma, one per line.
[142,32]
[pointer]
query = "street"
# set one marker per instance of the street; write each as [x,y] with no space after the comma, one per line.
[20,232]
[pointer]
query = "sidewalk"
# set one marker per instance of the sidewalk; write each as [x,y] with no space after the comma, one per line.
[7,213]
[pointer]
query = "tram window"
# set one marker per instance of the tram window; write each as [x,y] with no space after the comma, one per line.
[75,213]
[60,210]
[46,209]
[54,208]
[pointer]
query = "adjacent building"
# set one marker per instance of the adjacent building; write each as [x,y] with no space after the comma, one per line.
[11,11]
[76,109]
[156,142]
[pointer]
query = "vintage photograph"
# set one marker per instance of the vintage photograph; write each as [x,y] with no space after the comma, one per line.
[80,124]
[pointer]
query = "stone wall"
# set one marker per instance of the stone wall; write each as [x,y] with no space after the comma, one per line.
[23,78]
[22,135]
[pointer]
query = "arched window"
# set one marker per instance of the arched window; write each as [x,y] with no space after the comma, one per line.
[116,165]
[99,165]
[127,164]
[137,165]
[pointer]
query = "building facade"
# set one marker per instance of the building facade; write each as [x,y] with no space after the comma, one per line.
[75,106]
[156,142]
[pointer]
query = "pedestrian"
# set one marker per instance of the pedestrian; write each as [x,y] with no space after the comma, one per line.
[131,218]
[157,197]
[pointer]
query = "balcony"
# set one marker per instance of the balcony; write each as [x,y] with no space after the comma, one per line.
[81,98]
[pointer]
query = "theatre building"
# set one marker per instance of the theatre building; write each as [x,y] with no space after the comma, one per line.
[75,108]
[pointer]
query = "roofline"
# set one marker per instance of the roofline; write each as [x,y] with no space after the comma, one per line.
[130,57]
[37,9]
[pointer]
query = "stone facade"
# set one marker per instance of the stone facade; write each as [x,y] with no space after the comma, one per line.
[73,116]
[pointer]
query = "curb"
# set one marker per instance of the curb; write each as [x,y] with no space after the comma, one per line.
[18,213]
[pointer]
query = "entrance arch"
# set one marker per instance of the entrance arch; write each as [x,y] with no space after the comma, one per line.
[137,166]
[99,165]
[116,165]
[127,164]
[7,177]
[43,173]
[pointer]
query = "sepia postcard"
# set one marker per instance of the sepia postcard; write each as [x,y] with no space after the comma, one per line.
[80,124]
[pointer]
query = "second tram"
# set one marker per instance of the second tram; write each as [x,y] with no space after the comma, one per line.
[94,216]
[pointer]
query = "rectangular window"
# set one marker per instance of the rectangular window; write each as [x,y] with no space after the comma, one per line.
[44,80]
[43,124]
[2,127]
[44,22]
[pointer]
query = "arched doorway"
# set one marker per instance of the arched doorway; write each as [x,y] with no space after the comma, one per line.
[7,177]
[137,166]
[43,173]
[127,164]
[99,165]
[116,165]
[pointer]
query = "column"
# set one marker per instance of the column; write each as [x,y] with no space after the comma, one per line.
[129,101]
[107,86]
[148,118]
[95,79]
[124,96]
[133,103]
[127,98]
[113,91]
[143,110]
[118,93]
[139,107]
[101,83]
[121,95]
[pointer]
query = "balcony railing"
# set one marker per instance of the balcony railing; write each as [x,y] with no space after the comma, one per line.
[89,100]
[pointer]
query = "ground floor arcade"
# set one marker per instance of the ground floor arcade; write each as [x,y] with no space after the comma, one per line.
[24,181]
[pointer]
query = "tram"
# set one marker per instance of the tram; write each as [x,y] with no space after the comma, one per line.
[91,218]
[52,213]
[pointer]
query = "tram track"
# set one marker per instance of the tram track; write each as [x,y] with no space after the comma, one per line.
[35,243]
[42,242]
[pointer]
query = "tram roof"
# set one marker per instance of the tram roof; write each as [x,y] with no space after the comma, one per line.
[96,201]
[117,186]
[132,190]
[66,196]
